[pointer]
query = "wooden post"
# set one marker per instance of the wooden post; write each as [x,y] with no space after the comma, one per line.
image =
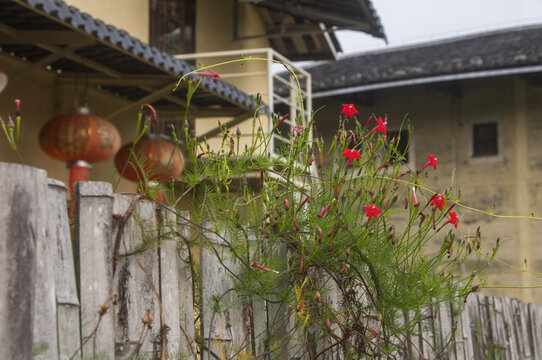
[93,221]
[186,299]
[169,279]
[220,311]
[67,301]
[20,188]
[132,284]
[44,334]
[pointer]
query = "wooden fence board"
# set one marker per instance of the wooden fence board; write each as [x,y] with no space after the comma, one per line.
[94,204]
[67,299]
[535,315]
[216,296]
[445,337]
[186,298]
[45,305]
[512,348]
[427,334]
[19,190]
[134,289]
[169,279]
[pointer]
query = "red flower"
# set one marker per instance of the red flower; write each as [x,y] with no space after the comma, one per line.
[349,110]
[454,220]
[351,155]
[438,201]
[373,331]
[263,268]
[372,211]
[380,127]
[432,162]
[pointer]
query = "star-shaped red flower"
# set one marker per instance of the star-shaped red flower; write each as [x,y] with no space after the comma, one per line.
[349,110]
[438,201]
[381,125]
[454,220]
[372,211]
[351,155]
[432,162]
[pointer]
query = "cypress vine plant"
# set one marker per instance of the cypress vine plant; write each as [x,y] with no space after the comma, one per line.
[346,255]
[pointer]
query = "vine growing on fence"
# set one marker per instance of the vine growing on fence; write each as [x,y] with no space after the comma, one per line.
[343,254]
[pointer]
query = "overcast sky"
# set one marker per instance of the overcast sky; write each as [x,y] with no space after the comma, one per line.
[412,21]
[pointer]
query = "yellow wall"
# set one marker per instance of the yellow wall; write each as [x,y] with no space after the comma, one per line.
[214,32]
[42,99]
[512,181]
[129,15]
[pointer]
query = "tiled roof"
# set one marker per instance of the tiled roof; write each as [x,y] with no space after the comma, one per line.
[114,48]
[498,51]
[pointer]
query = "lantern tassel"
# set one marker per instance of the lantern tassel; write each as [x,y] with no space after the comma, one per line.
[78,172]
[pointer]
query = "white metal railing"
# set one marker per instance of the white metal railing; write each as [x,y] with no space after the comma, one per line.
[298,98]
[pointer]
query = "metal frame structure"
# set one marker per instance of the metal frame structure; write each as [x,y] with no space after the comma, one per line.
[298,100]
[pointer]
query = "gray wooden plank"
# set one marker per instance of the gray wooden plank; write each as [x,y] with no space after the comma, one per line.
[444,337]
[467,332]
[67,299]
[186,298]
[221,310]
[477,328]
[19,189]
[523,324]
[93,221]
[135,291]
[512,348]
[44,334]
[535,315]
[427,334]
[169,279]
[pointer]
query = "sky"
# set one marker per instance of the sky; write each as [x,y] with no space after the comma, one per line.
[414,21]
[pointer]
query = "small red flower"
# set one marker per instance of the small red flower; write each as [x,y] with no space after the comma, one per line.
[454,220]
[349,110]
[432,162]
[414,197]
[321,215]
[372,211]
[351,155]
[381,127]
[438,201]
[373,331]
[263,268]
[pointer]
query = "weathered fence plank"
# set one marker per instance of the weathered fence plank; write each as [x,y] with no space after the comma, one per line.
[445,329]
[137,262]
[67,300]
[186,297]
[169,279]
[45,336]
[427,334]
[94,204]
[535,315]
[216,297]
[20,188]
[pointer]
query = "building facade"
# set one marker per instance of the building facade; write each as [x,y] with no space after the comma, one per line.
[474,102]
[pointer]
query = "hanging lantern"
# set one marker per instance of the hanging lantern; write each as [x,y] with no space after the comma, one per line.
[156,156]
[79,140]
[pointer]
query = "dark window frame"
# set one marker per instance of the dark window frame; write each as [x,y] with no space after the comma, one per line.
[485,139]
[402,136]
[172,25]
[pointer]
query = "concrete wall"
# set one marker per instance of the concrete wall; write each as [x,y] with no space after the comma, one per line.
[510,181]
[129,15]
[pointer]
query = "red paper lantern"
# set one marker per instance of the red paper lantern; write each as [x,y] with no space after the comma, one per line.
[157,157]
[79,139]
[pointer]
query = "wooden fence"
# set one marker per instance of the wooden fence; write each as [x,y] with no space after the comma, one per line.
[95,296]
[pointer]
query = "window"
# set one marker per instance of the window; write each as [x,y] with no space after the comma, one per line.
[485,139]
[402,141]
[172,25]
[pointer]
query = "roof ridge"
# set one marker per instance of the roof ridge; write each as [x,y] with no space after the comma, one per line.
[440,41]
